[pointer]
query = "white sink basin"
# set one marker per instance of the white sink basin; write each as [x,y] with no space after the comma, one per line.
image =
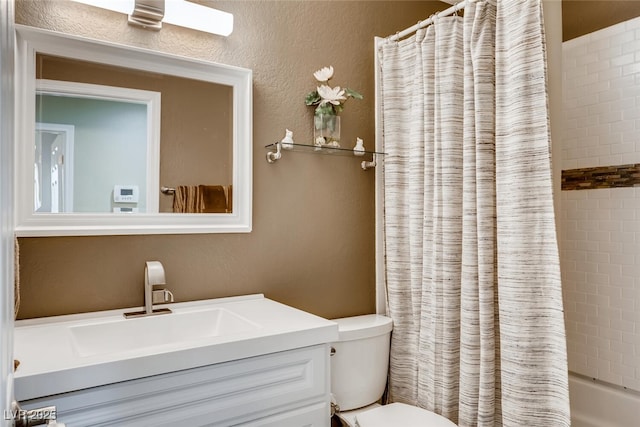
[132,334]
[66,353]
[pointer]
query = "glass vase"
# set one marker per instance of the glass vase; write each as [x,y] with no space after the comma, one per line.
[326,130]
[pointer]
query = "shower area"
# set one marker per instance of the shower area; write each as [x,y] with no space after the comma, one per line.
[595,112]
[467,246]
[600,224]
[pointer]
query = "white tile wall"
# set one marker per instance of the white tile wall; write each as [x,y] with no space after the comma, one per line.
[600,229]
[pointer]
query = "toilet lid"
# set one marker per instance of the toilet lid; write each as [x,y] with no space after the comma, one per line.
[400,414]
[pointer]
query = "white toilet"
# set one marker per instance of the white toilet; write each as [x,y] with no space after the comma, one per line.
[359,375]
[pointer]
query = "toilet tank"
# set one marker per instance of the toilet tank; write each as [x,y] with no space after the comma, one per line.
[359,365]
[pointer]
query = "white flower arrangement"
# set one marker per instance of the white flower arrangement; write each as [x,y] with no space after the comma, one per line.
[329,100]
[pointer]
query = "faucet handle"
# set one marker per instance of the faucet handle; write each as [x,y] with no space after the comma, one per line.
[154,273]
[161,296]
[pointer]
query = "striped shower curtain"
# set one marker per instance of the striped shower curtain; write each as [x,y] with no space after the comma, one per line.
[471,260]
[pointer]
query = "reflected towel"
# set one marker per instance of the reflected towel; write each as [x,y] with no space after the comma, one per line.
[185,199]
[215,198]
[202,199]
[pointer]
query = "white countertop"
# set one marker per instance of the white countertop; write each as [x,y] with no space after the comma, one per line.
[49,364]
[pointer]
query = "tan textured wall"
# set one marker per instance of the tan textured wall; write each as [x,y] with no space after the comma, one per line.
[580,17]
[312,244]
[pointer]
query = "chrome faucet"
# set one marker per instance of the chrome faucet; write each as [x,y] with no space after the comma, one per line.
[153,276]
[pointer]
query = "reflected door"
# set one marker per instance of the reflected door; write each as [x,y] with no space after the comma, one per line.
[53,168]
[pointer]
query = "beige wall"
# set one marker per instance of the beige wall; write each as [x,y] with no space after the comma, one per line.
[580,17]
[312,244]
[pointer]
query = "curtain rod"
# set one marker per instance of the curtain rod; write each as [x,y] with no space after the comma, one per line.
[421,24]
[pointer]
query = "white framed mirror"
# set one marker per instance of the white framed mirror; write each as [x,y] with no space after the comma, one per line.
[175,154]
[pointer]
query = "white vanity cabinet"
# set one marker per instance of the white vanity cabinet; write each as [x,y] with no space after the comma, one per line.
[237,361]
[284,389]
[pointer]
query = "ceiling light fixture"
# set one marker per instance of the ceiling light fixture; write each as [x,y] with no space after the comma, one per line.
[151,13]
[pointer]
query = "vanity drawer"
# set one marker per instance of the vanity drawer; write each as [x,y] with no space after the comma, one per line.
[309,416]
[292,384]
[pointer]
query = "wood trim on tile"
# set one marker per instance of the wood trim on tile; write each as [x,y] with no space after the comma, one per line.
[601,177]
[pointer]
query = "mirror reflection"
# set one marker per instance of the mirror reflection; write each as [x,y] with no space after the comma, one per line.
[95,136]
[53,182]
[92,143]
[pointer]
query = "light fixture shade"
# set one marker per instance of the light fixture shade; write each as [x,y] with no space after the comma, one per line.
[178,12]
[122,6]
